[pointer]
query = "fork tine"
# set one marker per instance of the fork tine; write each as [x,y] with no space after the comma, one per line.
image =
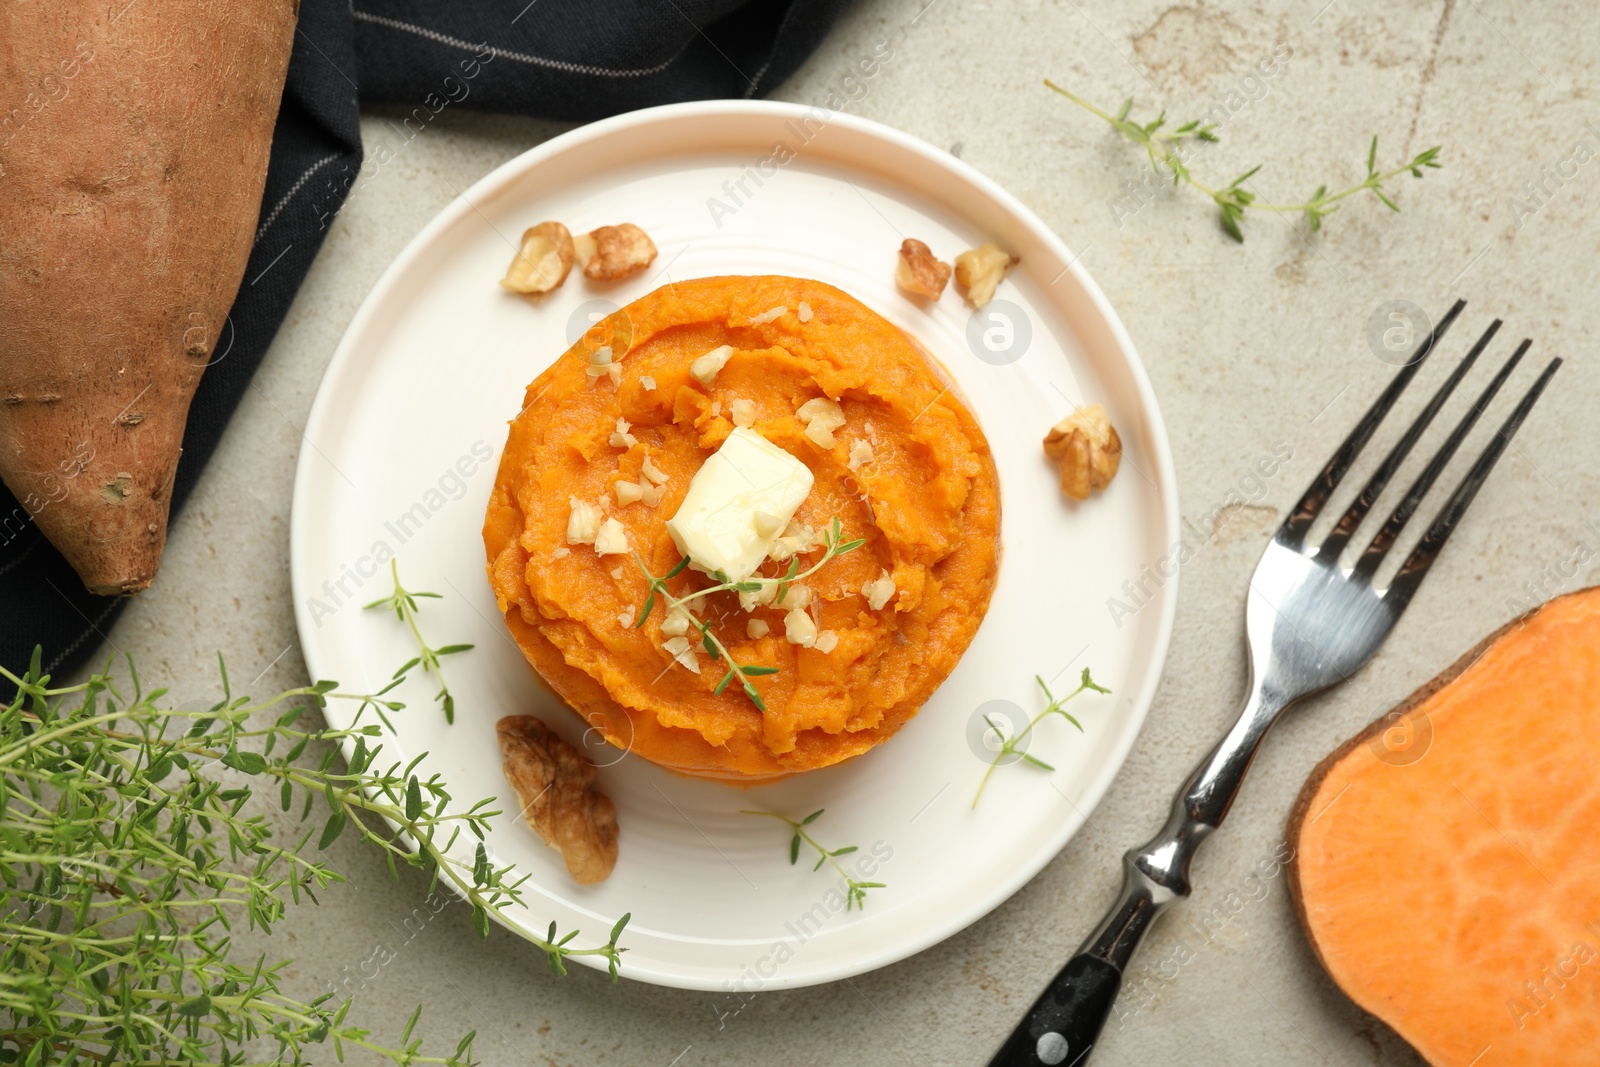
[1416,565]
[1372,558]
[1334,543]
[1293,530]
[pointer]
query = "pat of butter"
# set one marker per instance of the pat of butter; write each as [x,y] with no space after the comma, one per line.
[738,504]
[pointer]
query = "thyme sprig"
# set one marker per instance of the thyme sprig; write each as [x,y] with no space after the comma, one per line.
[403,602]
[1163,148]
[1008,745]
[834,546]
[855,891]
[129,849]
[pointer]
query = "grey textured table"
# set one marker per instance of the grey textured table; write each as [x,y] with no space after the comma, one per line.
[1251,348]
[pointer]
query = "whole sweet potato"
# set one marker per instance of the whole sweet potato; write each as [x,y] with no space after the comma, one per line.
[133,149]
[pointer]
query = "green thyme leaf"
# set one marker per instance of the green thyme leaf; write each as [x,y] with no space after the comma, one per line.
[1164,149]
[855,891]
[1015,745]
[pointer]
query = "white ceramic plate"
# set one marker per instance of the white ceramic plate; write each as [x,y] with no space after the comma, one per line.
[407,430]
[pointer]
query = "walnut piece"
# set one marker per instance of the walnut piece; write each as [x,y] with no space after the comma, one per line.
[583,521]
[979,270]
[542,263]
[1086,448]
[555,786]
[611,539]
[705,368]
[613,252]
[879,591]
[821,417]
[799,628]
[918,272]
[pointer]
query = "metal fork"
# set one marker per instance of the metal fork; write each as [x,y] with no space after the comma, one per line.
[1309,624]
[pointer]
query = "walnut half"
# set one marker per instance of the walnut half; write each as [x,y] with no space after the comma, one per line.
[555,786]
[1086,449]
[918,272]
[979,270]
[612,252]
[542,263]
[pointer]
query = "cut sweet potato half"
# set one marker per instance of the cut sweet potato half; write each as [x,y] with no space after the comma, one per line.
[1447,859]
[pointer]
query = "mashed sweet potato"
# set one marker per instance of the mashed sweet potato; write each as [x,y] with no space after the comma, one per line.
[926,502]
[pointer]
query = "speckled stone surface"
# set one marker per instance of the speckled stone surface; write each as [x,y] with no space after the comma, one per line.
[1252,349]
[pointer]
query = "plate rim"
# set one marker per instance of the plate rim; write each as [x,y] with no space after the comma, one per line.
[323,409]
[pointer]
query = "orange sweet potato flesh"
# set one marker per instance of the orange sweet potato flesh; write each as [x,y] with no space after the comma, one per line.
[131,172]
[1447,869]
[928,507]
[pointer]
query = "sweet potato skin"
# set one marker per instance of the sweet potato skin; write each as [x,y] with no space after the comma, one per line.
[131,169]
[1497,901]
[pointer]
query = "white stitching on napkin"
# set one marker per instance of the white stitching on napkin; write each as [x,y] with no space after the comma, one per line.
[756,81]
[94,627]
[283,202]
[521,57]
[24,554]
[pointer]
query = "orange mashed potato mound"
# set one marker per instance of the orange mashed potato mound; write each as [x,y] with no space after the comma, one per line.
[927,505]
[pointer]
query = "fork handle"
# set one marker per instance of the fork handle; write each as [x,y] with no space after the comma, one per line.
[1065,1022]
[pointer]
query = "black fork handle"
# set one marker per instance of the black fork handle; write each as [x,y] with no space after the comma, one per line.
[1065,1022]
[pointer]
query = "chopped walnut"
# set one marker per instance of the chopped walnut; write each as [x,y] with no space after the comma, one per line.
[705,368]
[919,272]
[743,413]
[770,315]
[555,786]
[860,454]
[650,471]
[602,365]
[622,438]
[796,597]
[627,493]
[799,628]
[681,650]
[879,591]
[542,263]
[611,539]
[613,252]
[797,537]
[750,600]
[583,524]
[821,416]
[979,270]
[756,629]
[1086,448]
